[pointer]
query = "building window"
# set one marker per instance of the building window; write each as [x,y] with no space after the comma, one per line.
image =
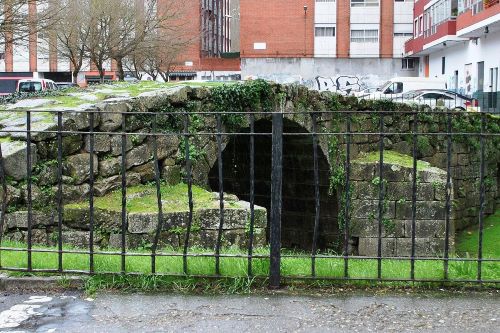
[408,63]
[364,36]
[364,3]
[443,65]
[325,0]
[325,32]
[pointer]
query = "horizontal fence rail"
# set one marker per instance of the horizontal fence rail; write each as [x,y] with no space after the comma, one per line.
[327,195]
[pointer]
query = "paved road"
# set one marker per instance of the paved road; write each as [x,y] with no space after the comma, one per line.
[72,312]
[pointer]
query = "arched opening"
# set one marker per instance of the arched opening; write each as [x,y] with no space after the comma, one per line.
[298,208]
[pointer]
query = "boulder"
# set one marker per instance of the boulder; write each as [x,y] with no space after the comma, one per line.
[78,167]
[19,220]
[102,143]
[146,172]
[104,186]
[171,174]
[116,144]
[110,167]
[15,157]
[138,156]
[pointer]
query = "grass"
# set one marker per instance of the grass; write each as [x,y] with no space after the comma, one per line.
[469,239]
[234,269]
[142,199]
[393,157]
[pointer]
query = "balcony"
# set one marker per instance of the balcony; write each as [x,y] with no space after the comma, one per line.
[435,38]
[476,16]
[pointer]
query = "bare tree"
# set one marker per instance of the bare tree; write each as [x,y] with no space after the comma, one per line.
[144,30]
[69,35]
[16,25]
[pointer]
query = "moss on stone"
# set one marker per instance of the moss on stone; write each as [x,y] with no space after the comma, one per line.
[393,157]
[142,199]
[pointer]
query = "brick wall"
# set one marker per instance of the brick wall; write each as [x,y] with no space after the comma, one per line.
[386,28]
[343,28]
[281,24]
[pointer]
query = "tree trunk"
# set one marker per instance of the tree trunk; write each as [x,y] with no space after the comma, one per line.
[119,67]
[74,75]
[102,73]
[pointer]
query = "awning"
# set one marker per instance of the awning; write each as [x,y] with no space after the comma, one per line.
[183,74]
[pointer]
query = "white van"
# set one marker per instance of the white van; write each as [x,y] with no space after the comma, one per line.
[396,87]
[35,85]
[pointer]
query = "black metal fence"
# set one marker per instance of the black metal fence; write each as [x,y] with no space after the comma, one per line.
[321,261]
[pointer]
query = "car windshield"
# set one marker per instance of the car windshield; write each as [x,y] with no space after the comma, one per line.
[30,87]
[384,86]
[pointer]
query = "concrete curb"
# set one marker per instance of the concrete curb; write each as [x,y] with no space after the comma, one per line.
[12,283]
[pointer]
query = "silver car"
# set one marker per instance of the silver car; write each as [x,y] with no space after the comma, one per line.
[434,98]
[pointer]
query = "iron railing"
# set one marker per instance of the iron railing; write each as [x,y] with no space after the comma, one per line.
[271,259]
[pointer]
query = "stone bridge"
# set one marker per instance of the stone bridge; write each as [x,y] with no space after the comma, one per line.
[298,181]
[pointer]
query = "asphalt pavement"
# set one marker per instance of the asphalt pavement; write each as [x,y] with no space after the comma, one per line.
[278,312]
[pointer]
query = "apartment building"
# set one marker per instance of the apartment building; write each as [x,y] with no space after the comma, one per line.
[290,40]
[208,21]
[460,42]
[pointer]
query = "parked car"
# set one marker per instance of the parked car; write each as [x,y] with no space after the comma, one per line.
[35,85]
[445,98]
[396,87]
[65,85]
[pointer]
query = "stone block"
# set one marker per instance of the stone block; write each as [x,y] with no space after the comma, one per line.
[146,172]
[76,121]
[369,228]
[426,210]
[71,144]
[19,220]
[79,218]
[111,119]
[424,247]
[362,171]
[369,209]
[138,156]
[142,223]
[426,228]
[167,145]
[102,143]
[72,193]
[116,144]
[368,247]
[171,174]
[104,186]
[236,237]
[78,167]
[15,157]
[110,167]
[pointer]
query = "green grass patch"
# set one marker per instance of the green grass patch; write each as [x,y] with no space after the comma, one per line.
[234,269]
[393,157]
[469,239]
[142,199]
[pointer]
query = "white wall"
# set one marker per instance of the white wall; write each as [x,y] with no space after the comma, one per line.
[365,49]
[403,23]
[325,15]
[457,57]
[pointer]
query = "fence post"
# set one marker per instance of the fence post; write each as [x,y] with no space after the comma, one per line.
[276,193]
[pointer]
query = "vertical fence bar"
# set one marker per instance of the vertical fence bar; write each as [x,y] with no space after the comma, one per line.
[381,197]
[482,201]
[91,193]
[316,194]
[59,192]
[4,201]
[414,196]
[448,195]
[190,192]
[276,199]
[252,193]
[124,193]
[29,181]
[220,166]
[347,196]
[159,225]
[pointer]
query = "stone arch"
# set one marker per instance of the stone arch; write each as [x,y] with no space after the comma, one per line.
[298,182]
